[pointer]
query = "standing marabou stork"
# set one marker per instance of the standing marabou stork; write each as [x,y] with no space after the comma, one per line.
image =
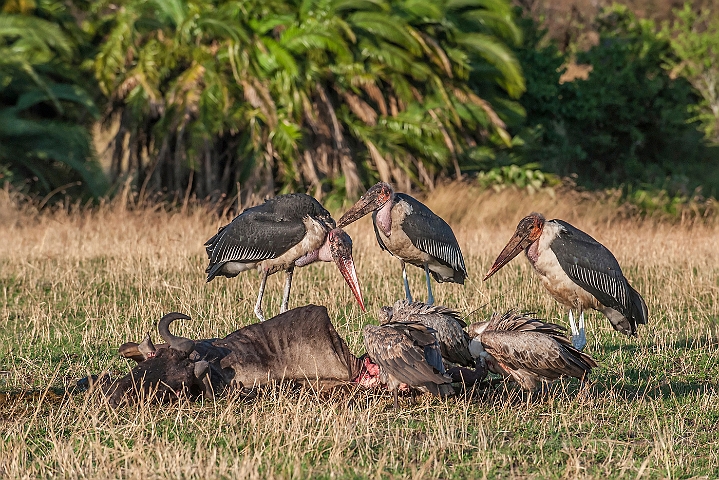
[407,353]
[578,272]
[527,350]
[285,232]
[410,231]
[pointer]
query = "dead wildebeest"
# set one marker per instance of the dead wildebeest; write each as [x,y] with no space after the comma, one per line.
[179,367]
[300,345]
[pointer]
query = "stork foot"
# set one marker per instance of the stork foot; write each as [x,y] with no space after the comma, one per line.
[579,337]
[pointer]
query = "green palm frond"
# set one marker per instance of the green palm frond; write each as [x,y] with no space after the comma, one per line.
[499,56]
[343,6]
[174,11]
[498,23]
[383,27]
[55,152]
[33,37]
[248,88]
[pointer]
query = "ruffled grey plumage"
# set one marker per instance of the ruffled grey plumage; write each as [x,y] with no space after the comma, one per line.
[447,323]
[407,352]
[529,349]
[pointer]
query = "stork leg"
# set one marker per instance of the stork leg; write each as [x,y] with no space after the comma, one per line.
[288,286]
[406,282]
[396,400]
[579,337]
[258,305]
[430,297]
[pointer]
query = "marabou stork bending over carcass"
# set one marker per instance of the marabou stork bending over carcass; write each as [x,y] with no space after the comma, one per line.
[448,326]
[285,232]
[527,349]
[407,353]
[410,231]
[578,272]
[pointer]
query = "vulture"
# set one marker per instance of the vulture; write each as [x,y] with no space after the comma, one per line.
[448,326]
[407,353]
[528,350]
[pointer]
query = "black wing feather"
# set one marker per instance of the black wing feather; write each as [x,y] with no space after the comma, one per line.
[593,267]
[264,231]
[408,351]
[376,231]
[431,234]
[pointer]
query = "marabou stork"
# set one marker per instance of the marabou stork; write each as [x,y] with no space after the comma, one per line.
[410,231]
[449,328]
[527,350]
[407,353]
[578,272]
[285,232]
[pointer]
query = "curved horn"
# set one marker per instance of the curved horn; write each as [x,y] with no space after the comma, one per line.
[182,344]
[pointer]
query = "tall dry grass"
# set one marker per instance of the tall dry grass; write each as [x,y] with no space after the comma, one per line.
[76,285]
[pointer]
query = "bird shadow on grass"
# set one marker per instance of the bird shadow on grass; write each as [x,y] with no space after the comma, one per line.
[644,384]
[638,384]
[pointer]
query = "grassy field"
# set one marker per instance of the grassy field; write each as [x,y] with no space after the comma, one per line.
[74,286]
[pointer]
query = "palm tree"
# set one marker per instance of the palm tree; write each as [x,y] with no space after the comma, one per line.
[44,112]
[314,94]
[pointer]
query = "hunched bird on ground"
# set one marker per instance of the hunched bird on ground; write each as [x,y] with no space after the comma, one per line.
[407,353]
[449,327]
[527,349]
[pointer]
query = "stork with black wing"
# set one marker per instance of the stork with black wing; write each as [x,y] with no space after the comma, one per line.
[410,231]
[578,272]
[285,232]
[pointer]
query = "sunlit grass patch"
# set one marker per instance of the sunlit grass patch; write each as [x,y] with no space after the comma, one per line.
[75,286]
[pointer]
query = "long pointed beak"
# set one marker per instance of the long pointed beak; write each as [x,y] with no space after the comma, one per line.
[346,265]
[516,244]
[366,204]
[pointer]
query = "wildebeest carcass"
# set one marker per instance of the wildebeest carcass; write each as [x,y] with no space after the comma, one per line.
[179,367]
[300,345]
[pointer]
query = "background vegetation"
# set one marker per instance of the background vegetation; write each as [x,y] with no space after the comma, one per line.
[119,103]
[213,98]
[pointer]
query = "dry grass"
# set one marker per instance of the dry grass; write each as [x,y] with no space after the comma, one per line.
[75,286]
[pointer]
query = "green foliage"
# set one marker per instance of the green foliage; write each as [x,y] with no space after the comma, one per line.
[694,38]
[296,94]
[653,202]
[45,146]
[629,122]
[527,177]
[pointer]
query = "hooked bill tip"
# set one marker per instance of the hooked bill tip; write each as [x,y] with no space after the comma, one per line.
[348,271]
